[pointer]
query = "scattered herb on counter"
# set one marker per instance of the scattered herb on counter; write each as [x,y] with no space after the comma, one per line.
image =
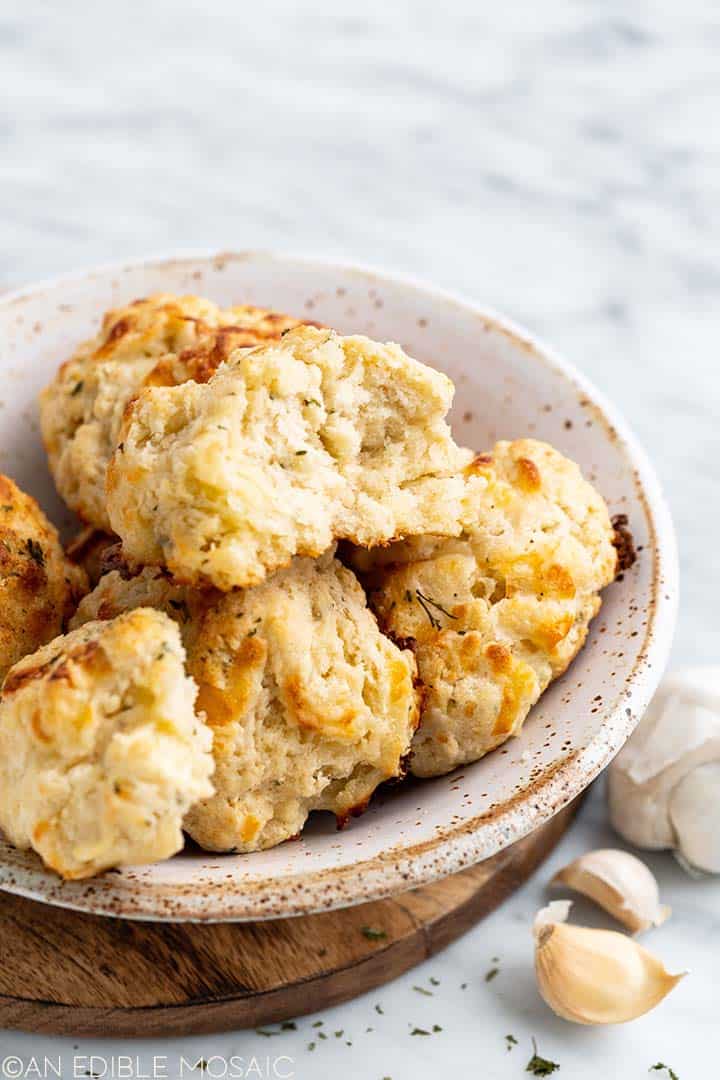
[490,975]
[540,1066]
[510,1041]
[339,1034]
[322,1035]
[311,1046]
[436,1027]
[318,1023]
[201,1065]
[373,933]
[434,982]
[463,986]
[419,1031]
[379,1009]
[286,1025]
[659,1067]
[422,990]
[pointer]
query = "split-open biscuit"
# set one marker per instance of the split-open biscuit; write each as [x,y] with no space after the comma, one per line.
[287,448]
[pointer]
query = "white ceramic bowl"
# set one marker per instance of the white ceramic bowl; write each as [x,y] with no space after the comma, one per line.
[508,385]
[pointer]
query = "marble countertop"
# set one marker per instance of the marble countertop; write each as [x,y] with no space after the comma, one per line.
[559,162]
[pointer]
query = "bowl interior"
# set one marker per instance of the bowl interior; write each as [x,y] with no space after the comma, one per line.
[507,387]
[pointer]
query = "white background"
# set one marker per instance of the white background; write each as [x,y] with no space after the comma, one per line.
[557,161]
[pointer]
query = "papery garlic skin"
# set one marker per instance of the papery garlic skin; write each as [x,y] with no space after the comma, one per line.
[596,976]
[556,911]
[657,795]
[620,883]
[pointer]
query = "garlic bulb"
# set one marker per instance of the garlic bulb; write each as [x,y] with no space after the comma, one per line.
[595,976]
[618,882]
[664,785]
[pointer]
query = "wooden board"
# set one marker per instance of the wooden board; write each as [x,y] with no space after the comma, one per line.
[72,974]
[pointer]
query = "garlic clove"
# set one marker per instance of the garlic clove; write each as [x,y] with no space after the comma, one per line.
[595,976]
[620,883]
[679,733]
[694,810]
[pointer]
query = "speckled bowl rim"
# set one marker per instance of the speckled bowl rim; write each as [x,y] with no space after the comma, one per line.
[457,847]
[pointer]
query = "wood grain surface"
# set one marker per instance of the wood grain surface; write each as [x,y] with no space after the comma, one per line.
[74,974]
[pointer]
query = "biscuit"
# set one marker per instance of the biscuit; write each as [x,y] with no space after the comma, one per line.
[39,587]
[159,341]
[310,706]
[101,752]
[287,448]
[495,614]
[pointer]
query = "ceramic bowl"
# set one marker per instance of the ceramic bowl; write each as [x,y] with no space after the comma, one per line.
[508,385]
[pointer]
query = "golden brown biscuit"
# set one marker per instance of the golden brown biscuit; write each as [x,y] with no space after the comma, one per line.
[159,341]
[39,587]
[101,752]
[495,614]
[311,707]
[286,448]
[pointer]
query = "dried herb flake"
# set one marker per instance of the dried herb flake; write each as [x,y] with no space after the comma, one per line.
[373,933]
[35,551]
[427,602]
[540,1066]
